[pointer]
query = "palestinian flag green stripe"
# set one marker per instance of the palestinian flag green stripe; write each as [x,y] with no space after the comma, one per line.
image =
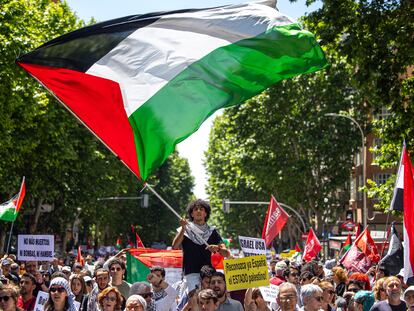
[8,213]
[225,77]
[136,270]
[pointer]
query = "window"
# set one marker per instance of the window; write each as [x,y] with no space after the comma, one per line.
[381,178]
[382,114]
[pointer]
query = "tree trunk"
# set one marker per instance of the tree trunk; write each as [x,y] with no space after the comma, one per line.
[33,225]
[3,237]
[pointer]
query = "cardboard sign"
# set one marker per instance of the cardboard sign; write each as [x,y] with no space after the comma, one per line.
[35,247]
[41,299]
[246,272]
[252,246]
[269,293]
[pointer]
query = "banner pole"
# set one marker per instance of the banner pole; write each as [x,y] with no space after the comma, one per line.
[172,210]
[10,234]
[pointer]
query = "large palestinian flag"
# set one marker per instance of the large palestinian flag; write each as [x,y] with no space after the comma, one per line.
[144,83]
[140,260]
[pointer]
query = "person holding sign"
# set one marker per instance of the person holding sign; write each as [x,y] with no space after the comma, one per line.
[198,240]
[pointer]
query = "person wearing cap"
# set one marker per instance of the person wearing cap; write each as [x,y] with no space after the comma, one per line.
[136,302]
[392,286]
[60,296]
[280,268]
[409,298]
[67,271]
[363,300]
[89,283]
[5,267]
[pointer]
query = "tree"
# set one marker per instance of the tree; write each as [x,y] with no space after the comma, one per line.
[65,165]
[280,143]
[376,39]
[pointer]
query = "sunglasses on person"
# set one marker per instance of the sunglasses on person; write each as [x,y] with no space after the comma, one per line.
[116,269]
[57,289]
[331,292]
[354,290]
[4,298]
[146,295]
[110,298]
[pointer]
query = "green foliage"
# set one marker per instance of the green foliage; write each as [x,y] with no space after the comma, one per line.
[64,164]
[375,38]
[281,143]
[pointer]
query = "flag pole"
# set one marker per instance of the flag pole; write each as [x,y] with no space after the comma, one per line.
[10,234]
[148,186]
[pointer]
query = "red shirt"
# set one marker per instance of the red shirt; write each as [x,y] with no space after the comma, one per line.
[28,305]
[277,280]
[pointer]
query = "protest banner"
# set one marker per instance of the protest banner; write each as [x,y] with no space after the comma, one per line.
[41,299]
[288,254]
[246,272]
[269,293]
[35,247]
[252,246]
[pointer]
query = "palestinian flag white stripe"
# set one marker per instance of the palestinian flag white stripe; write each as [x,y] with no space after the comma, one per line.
[397,198]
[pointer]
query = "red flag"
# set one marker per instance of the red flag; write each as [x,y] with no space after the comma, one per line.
[408,206]
[358,230]
[79,258]
[297,248]
[367,245]
[355,260]
[138,241]
[312,247]
[275,220]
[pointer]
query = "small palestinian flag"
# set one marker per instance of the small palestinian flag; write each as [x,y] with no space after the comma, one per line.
[10,209]
[348,242]
[118,243]
[140,260]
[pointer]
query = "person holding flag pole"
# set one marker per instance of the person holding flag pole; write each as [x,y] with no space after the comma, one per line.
[197,240]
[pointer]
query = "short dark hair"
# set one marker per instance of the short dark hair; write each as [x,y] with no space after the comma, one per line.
[30,276]
[206,271]
[116,261]
[208,294]
[158,268]
[306,275]
[200,203]
[219,274]
[95,273]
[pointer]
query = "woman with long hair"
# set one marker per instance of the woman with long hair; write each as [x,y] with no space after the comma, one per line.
[78,287]
[379,290]
[60,296]
[110,299]
[8,297]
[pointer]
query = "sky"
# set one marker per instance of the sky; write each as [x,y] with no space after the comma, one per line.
[194,147]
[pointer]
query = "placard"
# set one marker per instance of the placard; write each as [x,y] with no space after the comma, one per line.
[35,247]
[246,272]
[252,246]
[41,300]
[269,293]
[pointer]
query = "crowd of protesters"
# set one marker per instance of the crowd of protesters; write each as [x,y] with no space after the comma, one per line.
[101,286]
